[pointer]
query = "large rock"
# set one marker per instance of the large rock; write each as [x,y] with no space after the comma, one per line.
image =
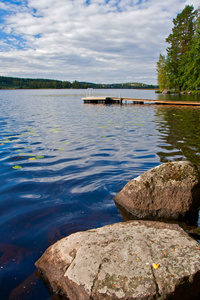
[130,260]
[166,92]
[170,191]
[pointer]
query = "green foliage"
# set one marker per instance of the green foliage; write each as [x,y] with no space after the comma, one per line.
[181,69]
[162,73]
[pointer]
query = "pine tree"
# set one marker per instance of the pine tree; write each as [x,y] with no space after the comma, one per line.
[196,59]
[191,63]
[182,62]
[180,41]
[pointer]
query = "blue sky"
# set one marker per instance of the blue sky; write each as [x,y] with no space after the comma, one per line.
[86,40]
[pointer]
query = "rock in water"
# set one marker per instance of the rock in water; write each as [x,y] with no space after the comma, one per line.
[170,191]
[166,92]
[129,260]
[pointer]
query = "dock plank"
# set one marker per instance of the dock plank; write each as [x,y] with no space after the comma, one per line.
[117,100]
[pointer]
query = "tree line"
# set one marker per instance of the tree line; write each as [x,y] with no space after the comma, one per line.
[27,83]
[179,70]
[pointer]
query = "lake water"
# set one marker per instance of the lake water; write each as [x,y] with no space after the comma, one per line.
[62,162]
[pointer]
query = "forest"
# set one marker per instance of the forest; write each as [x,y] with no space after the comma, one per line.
[179,70]
[28,83]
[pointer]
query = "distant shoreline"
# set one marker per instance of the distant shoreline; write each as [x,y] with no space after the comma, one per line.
[19,89]
[15,83]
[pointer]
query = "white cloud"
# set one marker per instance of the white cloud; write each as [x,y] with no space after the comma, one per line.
[96,40]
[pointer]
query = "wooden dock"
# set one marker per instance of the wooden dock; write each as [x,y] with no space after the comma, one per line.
[102,100]
[120,101]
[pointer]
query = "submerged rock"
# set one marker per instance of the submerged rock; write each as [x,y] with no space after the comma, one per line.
[130,260]
[170,191]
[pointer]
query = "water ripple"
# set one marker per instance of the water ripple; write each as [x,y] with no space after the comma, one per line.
[62,163]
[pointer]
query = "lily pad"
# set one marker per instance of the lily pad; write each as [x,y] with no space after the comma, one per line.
[17,167]
[31,158]
[39,156]
[30,130]
[57,130]
[7,141]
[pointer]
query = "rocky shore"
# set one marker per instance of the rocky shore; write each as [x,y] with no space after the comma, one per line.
[137,259]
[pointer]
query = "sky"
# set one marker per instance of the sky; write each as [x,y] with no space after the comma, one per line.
[102,41]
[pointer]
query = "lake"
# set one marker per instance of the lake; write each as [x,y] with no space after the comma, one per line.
[62,162]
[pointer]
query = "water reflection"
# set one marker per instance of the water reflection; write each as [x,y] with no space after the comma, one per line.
[177,97]
[179,136]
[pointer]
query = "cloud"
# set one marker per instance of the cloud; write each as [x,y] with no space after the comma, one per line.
[93,40]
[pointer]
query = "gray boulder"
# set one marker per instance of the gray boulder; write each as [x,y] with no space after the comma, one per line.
[130,260]
[166,92]
[170,191]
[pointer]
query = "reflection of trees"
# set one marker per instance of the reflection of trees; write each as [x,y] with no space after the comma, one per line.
[179,129]
[178,97]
